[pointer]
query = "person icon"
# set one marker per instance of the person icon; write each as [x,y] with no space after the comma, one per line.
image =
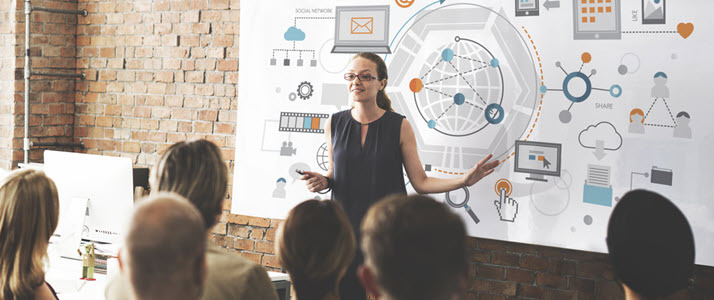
[637,121]
[660,90]
[682,130]
[279,191]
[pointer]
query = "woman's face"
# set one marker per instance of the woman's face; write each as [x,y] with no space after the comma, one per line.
[364,91]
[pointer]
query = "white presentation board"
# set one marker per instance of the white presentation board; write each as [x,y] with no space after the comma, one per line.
[581,101]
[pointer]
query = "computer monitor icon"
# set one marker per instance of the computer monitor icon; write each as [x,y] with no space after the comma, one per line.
[539,159]
[362,29]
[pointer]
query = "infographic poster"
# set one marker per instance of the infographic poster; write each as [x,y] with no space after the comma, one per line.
[580,100]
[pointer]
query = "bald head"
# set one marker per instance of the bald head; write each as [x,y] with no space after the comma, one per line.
[165,248]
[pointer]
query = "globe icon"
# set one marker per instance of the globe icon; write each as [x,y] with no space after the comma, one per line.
[456,87]
[322,157]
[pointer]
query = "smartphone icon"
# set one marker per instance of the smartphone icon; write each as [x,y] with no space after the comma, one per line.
[527,8]
[653,12]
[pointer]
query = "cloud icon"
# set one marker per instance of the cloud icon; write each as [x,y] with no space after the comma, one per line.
[294,34]
[603,131]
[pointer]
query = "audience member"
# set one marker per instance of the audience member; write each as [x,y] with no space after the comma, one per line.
[29,212]
[651,246]
[315,246]
[196,170]
[415,248]
[164,255]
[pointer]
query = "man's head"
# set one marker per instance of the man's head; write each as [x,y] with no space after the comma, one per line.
[414,248]
[196,171]
[683,118]
[660,78]
[651,244]
[164,252]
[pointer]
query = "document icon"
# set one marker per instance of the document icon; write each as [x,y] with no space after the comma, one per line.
[363,25]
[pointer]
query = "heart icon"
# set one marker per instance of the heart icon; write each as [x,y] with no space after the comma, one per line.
[685,29]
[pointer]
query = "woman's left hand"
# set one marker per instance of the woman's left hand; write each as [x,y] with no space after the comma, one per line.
[480,170]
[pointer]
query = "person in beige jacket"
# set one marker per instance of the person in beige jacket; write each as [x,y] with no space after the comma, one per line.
[196,170]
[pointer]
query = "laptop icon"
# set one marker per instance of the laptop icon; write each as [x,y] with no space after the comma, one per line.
[362,29]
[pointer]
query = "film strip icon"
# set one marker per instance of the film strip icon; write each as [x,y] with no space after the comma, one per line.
[302,122]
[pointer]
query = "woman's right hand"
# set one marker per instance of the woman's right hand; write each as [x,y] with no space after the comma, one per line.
[315,181]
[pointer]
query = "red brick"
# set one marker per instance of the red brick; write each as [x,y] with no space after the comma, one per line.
[491,245]
[203,127]
[504,259]
[534,263]
[265,247]
[237,230]
[227,65]
[208,115]
[490,272]
[131,147]
[269,234]
[518,275]
[224,128]
[481,256]
[551,280]
[257,234]
[531,291]
[259,222]
[270,261]
[243,244]
[219,4]
[503,288]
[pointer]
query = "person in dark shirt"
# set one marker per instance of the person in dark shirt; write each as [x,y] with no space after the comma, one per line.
[367,147]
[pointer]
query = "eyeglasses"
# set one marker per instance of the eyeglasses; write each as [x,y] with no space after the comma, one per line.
[363,77]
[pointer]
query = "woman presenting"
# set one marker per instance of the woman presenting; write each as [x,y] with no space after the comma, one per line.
[368,145]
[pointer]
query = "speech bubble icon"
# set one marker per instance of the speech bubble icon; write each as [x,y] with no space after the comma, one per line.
[298,166]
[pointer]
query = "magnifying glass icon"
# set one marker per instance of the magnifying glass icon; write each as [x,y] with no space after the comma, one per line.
[461,201]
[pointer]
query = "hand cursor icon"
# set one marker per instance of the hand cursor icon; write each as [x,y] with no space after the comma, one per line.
[507,207]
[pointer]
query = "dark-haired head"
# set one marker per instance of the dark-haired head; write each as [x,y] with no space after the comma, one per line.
[414,248]
[195,170]
[315,246]
[651,244]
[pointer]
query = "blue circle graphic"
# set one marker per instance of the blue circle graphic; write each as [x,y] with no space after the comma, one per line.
[543,89]
[447,55]
[431,124]
[495,118]
[615,91]
[459,98]
[494,62]
[588,87]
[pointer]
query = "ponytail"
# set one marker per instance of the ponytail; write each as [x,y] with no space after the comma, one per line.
[383,100]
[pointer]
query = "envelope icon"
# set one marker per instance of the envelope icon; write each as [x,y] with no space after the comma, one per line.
[362,25]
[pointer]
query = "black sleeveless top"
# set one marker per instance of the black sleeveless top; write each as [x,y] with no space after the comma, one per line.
[364,175]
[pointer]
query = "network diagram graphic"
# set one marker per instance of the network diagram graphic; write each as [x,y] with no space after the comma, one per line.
[577,87]
[471,86]
[679,122]
[462,92]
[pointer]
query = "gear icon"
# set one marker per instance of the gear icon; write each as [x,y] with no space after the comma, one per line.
[304,90]
[292,96]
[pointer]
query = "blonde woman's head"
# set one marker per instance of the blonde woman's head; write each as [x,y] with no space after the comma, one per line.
[29,212]
[195,170]
[315,246]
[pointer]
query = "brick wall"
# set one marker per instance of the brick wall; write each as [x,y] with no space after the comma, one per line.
[52,50]
[163,71]
[7,80]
